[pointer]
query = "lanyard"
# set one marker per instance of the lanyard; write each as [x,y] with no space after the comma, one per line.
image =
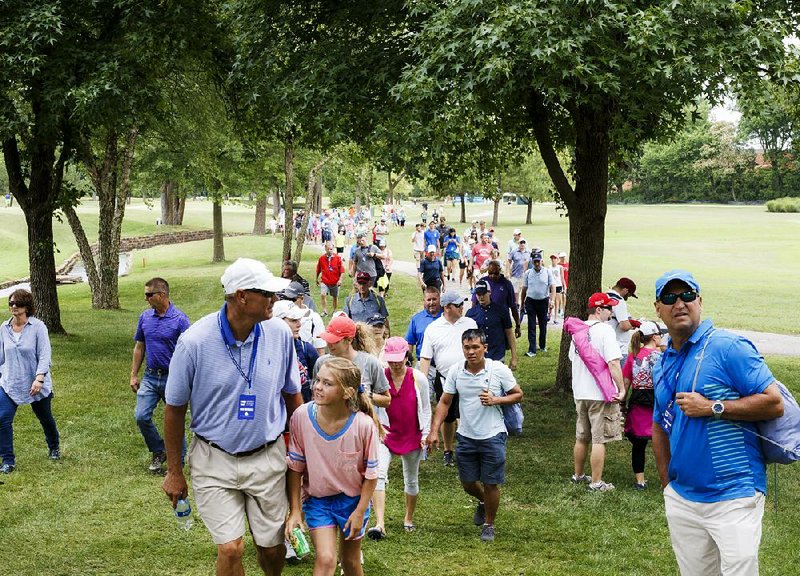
[249,376]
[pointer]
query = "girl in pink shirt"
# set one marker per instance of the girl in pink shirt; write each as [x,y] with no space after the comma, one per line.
[409,420]
[333,455]
[638,376]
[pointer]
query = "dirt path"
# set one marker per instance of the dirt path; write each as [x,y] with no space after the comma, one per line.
[765,342]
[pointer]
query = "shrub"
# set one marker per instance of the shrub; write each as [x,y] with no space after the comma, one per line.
[785,204]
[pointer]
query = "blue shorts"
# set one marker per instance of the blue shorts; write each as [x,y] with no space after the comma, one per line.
[482,460]
[332,511]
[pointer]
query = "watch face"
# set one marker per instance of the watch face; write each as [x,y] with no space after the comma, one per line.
[717,407]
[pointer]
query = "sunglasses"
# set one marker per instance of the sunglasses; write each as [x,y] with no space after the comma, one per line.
[459,305]
[671,298]
[150,294]
[264,293]
[12,304]
[607,307]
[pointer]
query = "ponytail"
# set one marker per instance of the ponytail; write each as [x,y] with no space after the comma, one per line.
[348,375]
[639,341]
[364,340]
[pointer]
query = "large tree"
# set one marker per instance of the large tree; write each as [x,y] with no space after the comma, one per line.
[66,67]
[594,77]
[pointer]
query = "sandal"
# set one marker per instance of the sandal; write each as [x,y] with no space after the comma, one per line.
[376,533]
[409,527]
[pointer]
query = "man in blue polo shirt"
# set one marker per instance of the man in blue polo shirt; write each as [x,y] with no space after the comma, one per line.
[238,369]
[495,323]
[432,309]
[710,386]
[156,334]
[538,291]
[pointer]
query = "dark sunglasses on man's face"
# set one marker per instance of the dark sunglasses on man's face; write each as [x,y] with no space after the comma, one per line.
[150,294]
[606,307]
[459,305]
[670,298]
[12,304]
[264,293]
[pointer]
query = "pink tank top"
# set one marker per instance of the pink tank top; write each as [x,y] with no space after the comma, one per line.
[403,433]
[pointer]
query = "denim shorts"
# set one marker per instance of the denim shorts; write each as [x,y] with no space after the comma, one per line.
[482,460]
[332,511]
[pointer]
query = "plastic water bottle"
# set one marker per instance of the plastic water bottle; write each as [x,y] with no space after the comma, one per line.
[183,513]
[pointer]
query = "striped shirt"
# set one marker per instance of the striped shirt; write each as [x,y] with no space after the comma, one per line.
[332,464]
[203,373]
[712,460]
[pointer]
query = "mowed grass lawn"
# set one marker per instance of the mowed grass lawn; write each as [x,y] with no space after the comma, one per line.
[744,257]
[98,511]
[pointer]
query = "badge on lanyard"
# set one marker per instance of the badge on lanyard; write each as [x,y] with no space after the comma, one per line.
[247,407]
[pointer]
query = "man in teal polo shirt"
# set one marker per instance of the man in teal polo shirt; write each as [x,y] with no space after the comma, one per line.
[710,387]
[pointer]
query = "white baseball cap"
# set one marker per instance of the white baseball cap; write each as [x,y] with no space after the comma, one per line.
[431,248]
[517,231]
[246,274]
[288,309]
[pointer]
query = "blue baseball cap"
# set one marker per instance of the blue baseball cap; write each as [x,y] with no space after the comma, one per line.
[682,275]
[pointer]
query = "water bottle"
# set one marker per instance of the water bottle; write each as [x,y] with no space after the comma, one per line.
[183,513]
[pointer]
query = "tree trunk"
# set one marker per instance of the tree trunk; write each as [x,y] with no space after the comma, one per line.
[358,191]
[43,265]
[219,245]
[587,209]
[180,200]
[85,250]
[168,202]
[276,202]
[318,195]
[260,223]
[37,200]
[370,173]
[389,189]
[463,197]
[313,176]
[586,205]
[529,213]
[288,221]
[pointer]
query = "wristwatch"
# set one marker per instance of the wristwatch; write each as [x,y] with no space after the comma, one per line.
[717,408]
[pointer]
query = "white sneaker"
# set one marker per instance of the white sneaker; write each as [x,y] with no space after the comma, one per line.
[600,486]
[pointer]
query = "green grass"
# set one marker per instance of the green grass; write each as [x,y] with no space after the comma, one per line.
[99,512]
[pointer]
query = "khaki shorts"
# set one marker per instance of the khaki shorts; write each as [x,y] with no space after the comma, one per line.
[227,488]
[598,422]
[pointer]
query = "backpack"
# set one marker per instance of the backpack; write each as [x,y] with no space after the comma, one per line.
[379,268]
[780,437]
[595,363]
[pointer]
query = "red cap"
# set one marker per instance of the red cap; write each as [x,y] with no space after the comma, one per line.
[601,299]
[629,284]
[338,328]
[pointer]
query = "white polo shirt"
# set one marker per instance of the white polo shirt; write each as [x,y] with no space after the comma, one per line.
[477,421]
[441,342]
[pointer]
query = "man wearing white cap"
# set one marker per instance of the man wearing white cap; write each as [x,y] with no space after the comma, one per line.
[307,354]
[513,244]
[238,369]
[441,347]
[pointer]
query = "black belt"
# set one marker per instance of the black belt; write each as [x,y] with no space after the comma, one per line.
[157,371]
[236,454]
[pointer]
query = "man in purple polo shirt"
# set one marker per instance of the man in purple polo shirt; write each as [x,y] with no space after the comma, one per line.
[156,336]
[502,291]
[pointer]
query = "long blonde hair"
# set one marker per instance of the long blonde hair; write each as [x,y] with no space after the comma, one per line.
[348,376]
[364,340]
